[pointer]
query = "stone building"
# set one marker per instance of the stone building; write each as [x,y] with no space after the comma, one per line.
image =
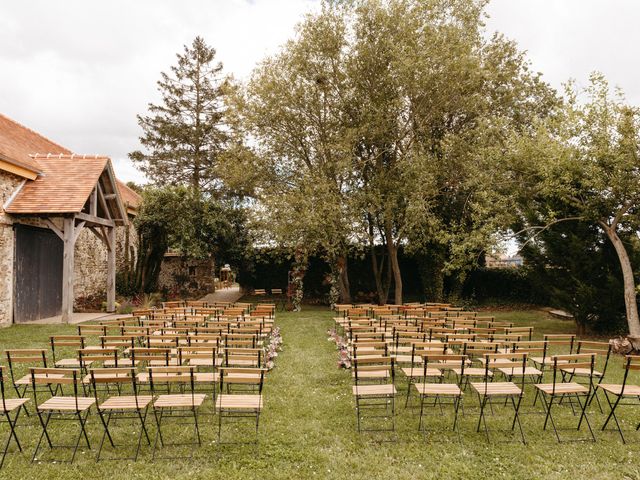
[64,226]
[184,276]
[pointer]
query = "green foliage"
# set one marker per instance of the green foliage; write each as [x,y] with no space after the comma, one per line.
[582,164]
[371,127]
[195,225]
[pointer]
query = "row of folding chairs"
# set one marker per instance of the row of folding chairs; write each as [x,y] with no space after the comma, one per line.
[171,394]
[374,387]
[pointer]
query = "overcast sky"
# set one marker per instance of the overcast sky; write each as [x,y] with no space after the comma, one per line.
[78,71]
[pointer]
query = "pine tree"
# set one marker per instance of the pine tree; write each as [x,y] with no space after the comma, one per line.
[185,135]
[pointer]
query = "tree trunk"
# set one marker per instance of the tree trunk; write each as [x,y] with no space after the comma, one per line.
[629,283]
[343,280]
[392,248]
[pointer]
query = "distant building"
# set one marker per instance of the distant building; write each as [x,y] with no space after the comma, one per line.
[504,261]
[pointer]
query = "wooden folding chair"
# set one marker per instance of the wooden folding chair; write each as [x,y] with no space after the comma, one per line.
[516,363]
[30,357]
[61,406]
[11,411]
[441,390]
[559,390]
[75,342]
[175,405]
[374,396]
[622,391]
[415,373]
[603,350]
[246,404]
[120,407]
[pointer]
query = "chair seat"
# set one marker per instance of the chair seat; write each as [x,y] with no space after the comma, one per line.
[374,390]
[629,390]
[239,402]
[162,363]
[67,403]
[472,371]
[417,372]
[562,388]
[581,372]
[440,389]
[10,404]
[175,400]
[71,363]
[496,388]
[126,402]
[517,371]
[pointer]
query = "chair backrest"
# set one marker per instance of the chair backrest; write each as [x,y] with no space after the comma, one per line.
[114,376]
[516,362]
[74,341]
[119,341]
[560,340]
[242,376]
[571,361]
[175,375]
[97,330]
[243,357]
[602,349]
[148,354]
[479,349]
[363,364]
[25,356]
[631,364]
[445,360]
[87,356]
[208,353]
[370,348]
[525,332]
[60,377]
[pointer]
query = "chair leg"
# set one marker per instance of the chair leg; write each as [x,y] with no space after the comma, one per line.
[44,434]
[12,434]
[516,417]
[105,434]
[195,422]
[612,414]
[585,417]
[83,433]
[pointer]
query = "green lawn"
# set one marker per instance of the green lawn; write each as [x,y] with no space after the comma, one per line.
[308,429]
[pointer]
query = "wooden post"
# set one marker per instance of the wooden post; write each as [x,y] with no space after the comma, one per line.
[111,270]
[67,268]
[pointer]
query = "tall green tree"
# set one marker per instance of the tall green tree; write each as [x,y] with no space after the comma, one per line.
[587,157]
[186,134]
[294,108]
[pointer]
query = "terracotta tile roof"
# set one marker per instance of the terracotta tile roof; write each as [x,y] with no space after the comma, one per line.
[18,142]
[64,179]
[62,187]
[129,196]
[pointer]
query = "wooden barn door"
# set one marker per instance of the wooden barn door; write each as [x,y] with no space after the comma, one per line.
[38,274]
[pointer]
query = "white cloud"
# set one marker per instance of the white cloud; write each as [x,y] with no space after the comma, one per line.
[79,71]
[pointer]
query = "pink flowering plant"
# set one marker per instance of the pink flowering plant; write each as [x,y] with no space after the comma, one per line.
[344,357]
[274,345]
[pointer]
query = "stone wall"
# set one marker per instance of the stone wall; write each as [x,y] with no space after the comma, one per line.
[90,267]
[8,184]
[183,276]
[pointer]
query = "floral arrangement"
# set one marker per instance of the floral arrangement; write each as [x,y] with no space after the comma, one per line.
[273,347]
[295,292]
[344,357]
